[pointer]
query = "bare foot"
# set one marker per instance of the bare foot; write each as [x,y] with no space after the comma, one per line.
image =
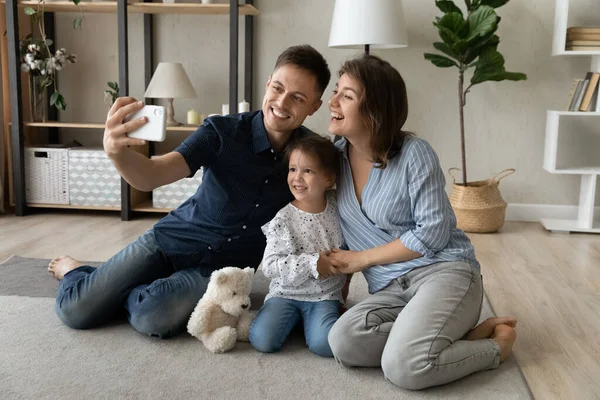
[505,336]
[485,329]
[61,265]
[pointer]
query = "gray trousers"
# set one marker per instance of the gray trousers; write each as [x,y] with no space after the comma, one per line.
[413,328]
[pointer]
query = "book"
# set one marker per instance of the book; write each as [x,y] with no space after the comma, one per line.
[594,102]
[592,88]
[583,43]
[582,48]
[572,90]
[584,29]
[583,36]
[573,105]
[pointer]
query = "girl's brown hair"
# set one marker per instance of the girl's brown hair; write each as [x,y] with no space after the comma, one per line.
[384,104]
[319,147]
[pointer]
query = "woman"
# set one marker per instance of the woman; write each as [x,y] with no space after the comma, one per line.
[401,231]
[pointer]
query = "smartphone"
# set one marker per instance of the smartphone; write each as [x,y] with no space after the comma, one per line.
[155,129]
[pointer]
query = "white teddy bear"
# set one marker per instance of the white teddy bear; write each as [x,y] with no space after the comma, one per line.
[222,315]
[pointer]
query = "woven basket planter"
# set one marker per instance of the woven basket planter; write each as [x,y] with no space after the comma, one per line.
[479,207]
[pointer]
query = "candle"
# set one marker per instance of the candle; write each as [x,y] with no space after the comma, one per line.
[244,106]
[192,117]
[225,109]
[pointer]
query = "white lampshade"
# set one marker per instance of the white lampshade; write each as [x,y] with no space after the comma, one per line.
[170,81]
[377,23]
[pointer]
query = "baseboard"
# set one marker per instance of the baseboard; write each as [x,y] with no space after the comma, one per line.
[535,212]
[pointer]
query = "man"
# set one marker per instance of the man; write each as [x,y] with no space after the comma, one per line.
[160,277]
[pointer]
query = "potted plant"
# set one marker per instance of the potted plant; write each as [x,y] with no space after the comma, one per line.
[43,63]
[111,95]
[469,41]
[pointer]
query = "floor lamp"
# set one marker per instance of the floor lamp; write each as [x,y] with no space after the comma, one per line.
[368,24]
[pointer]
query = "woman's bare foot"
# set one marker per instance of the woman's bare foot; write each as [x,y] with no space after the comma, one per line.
[486,328]
[61,265]
[505,336]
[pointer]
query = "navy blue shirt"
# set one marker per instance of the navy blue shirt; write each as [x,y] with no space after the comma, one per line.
[243,186]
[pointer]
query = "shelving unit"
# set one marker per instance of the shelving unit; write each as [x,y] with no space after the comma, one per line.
[555,161]
[131,199]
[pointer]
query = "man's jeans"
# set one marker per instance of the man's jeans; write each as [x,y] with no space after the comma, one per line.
[277,317]
[139,279]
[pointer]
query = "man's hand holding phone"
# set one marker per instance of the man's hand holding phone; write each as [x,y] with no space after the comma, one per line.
[116,129]
[131,123]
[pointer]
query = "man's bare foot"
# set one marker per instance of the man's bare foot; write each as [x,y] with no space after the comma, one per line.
[61,265]
[505,336]
[485,329]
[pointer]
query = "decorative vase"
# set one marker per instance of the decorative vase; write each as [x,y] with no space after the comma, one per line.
[38,98]
[479,206]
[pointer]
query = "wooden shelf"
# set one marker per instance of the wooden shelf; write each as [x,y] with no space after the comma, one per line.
[71,207]
[56,124]
[97,125]
[141,8]
[146,206]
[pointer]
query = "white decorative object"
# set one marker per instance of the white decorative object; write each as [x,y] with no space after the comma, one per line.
[358,24]
[193,118]
[206,1]
[46,175]
[569,156]
[168,82]
[93,179]
[225,109]
[244,106]
[174,194]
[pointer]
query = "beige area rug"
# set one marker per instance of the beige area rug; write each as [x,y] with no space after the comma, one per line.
[42,359]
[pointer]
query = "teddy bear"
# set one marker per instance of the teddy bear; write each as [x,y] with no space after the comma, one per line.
[222,316]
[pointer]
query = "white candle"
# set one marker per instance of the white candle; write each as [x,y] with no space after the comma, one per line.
[244,106]
[225,109]
[192,117]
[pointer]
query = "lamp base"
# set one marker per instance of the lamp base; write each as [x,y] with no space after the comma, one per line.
[171,114]
[173,122]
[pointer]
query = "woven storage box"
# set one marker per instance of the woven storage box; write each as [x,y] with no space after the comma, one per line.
[93,179]
[479,207]
[46,175]
[172,195]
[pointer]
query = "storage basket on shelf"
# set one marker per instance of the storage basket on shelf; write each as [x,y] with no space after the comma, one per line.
[479,206]
[46,175]
[173,194]
[93,179]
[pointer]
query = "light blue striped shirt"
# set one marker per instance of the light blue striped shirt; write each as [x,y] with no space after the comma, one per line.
[407,200]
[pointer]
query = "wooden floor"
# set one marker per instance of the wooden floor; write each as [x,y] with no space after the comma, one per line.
[550,282]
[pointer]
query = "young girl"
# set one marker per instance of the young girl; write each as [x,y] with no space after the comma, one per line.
[304,283]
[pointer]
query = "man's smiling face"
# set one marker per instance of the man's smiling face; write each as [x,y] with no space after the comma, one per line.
[291,96]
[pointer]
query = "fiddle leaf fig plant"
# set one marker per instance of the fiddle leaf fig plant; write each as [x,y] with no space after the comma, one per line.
[469,41]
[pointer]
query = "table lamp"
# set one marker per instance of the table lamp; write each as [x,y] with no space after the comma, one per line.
[358,24]
[170,82]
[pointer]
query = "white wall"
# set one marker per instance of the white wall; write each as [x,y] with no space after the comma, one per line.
[505,122]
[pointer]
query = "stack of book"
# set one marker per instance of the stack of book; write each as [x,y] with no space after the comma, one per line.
[583,95]
[583,38]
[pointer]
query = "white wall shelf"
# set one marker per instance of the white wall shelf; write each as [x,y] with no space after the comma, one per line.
[564,155]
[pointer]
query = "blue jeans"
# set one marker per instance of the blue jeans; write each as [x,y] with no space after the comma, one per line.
[277,317]
[141,280]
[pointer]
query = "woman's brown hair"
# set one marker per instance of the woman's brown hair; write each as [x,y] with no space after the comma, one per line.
[384,104]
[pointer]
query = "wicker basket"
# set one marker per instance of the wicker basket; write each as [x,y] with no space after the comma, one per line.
[46,175]
[479,207]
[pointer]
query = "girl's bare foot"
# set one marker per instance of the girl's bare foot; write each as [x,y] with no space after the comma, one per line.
[486,328]
[61,265]
[505,336]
